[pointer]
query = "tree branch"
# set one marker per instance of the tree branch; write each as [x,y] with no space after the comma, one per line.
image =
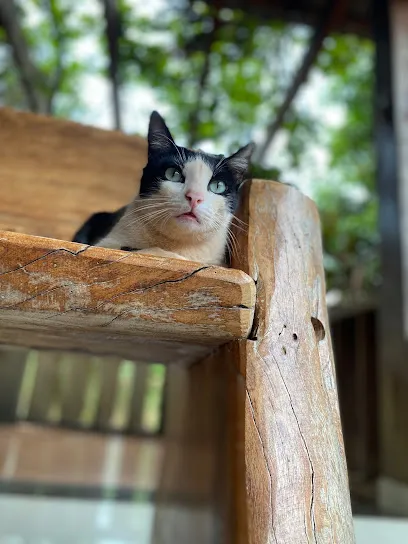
[59,41]
[113,33]
[28,74]
[194,117]
[333,11]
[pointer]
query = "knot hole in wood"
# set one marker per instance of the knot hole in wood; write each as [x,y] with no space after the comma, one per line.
[318,328]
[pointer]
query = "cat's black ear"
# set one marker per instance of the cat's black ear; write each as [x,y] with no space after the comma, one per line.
[239,161]
[159,137]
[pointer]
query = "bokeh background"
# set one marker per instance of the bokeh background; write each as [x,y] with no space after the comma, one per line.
[298,79]
[219,76]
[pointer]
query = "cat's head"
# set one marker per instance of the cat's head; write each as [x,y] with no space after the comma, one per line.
[189,192]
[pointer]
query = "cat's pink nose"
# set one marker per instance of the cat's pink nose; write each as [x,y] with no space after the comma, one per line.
[194,198]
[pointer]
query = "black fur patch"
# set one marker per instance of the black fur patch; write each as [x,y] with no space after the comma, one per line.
[97,226]
[127,248]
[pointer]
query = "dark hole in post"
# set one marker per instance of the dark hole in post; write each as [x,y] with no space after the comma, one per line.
[318,328]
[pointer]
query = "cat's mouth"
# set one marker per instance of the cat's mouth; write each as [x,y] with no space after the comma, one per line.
[189,216]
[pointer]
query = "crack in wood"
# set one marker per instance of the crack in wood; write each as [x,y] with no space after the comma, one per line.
[263,452]
[157,311]
[53,252]
[162,282]
[312,497]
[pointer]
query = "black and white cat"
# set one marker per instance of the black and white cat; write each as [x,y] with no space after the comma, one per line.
[185,205]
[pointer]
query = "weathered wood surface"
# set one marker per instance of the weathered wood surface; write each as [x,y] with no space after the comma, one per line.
[257,422]
[33,457]
[55,173]
[63,295]
[391,35]
[191,492]
[295,469]
[355,352]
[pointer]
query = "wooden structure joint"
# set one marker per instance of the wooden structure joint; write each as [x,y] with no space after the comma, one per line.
[61,294]
[252,441]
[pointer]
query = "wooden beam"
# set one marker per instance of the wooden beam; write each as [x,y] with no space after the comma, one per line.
[399,65]
[391,296]
[253,444]
[390,22]
[54,173]
[300,12]
[192,484]
[63,295]
[296,476]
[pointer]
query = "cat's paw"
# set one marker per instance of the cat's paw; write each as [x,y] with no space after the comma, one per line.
[158,252]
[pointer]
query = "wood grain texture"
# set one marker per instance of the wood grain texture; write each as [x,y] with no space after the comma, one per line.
[296,474]
[63,295]
[392,178]
[137,403]
[192,483]
[109,373]
[55,173]
[35,457]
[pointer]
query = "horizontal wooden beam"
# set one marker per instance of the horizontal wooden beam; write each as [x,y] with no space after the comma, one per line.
[55,173]
[62,295]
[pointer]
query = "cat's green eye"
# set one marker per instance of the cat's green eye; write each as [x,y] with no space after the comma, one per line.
[172,174]
[217,187]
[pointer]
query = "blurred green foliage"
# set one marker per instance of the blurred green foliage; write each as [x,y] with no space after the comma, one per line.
[220,74]
[349,203]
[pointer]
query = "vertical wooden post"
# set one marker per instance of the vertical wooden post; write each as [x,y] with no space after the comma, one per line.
[390,19]
[254,448]
[191,492]
[399,65]
[295,468]
[391,294]
[138,397]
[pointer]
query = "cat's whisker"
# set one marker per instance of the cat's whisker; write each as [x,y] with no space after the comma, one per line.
[218,165]
[165,220]
[237,247]
[154,206]
[154,213]
[232,243]
[238,227]
[150,206]
[235,218]
[145,219]
[143,209]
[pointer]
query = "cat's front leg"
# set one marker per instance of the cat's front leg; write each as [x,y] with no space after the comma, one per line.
[157,251]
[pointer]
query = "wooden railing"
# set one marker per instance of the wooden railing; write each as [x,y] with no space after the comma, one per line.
[253,447]
[80,391]
[355,344]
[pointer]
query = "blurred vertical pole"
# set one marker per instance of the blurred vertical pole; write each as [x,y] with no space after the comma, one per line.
[27,72]
[113,33]
[390,25]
